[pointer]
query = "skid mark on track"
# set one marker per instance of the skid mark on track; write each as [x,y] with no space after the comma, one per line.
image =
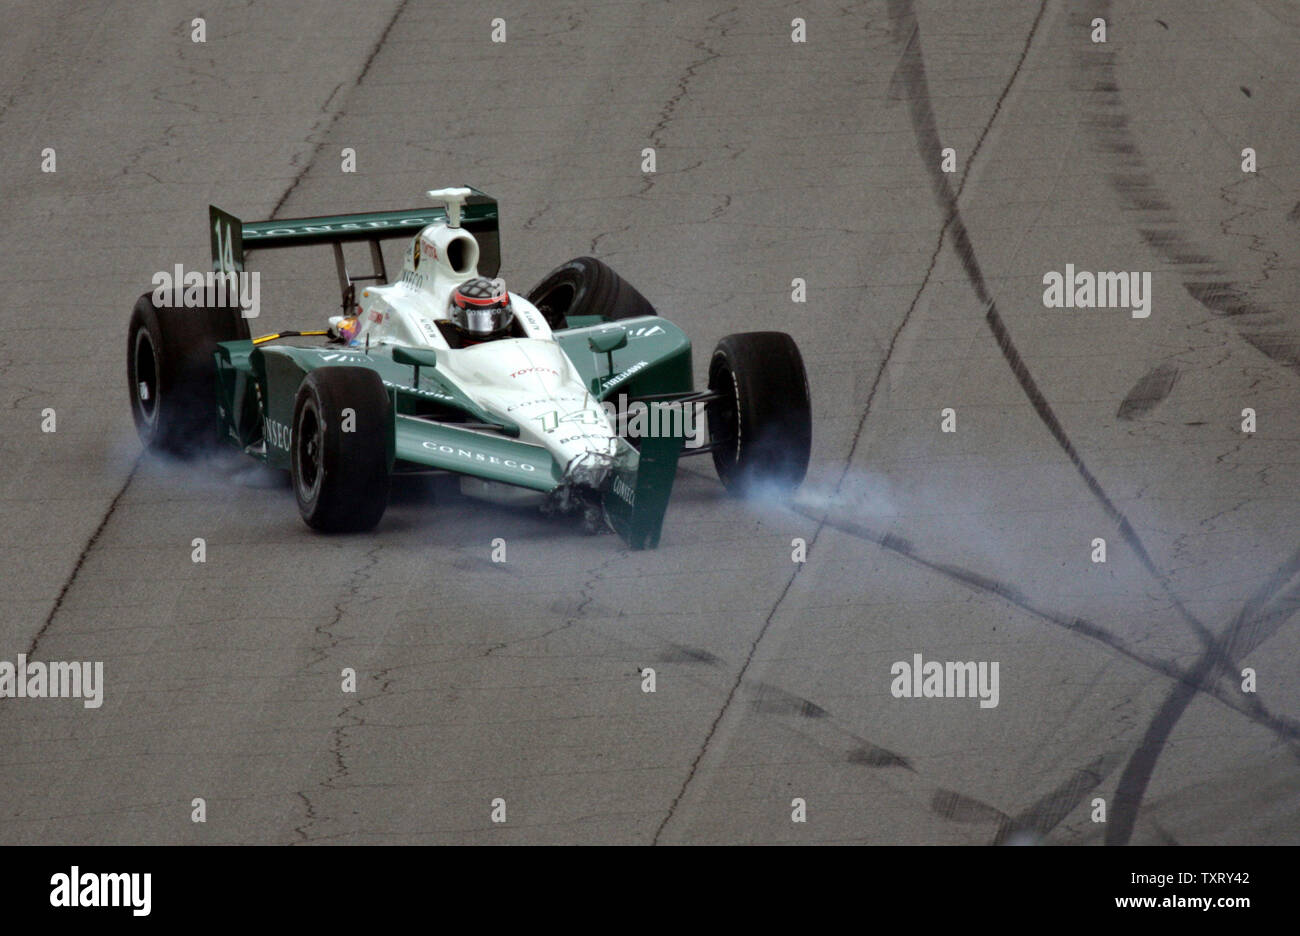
[1050,811]
[1271,607]
[1148,392]
[1218,655]
[1033,825]
[1251,708]
[1271,333]
[1261,617]
[873,755]
[911,76]
[1265,330]
[679,653]
[958,807]
[771,700]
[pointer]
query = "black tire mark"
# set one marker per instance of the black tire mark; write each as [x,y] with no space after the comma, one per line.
[912,77]
[1274,609]
[1149,392]
[958,807]
[1050,811]
[872,755]
[911,73]
[680,653]
[1261,617]
[1269,332]
[1034,824]
[1260,327]
[1275,615]
[1231,300]
[772,700]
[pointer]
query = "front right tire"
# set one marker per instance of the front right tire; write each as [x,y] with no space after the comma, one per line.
[761,422]
[587,286]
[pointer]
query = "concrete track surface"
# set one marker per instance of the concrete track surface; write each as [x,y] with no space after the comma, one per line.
[1119,681]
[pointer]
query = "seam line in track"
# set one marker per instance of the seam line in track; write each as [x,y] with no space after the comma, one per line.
[952,216]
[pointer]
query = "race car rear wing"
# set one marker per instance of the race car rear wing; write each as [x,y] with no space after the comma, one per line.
[230,237]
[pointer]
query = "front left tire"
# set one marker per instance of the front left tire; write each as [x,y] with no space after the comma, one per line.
[339,449]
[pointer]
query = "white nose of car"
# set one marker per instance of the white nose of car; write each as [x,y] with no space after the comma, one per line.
[532,383]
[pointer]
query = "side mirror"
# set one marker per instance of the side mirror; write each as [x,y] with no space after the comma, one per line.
[607,342]
[417,358]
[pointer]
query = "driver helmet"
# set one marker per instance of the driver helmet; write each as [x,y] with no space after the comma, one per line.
[480,309]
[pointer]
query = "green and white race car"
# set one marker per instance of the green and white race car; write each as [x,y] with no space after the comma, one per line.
[576,397]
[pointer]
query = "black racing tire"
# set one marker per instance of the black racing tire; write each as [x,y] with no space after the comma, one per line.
[172,373]
[761,424]
[341,478]
[587,286]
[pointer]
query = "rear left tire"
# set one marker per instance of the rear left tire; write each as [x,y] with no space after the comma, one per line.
[172,373]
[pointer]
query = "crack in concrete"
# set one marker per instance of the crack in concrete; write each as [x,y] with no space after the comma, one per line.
[897,16]
[322,128]
[338,734]
[683,86]
[584,590]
